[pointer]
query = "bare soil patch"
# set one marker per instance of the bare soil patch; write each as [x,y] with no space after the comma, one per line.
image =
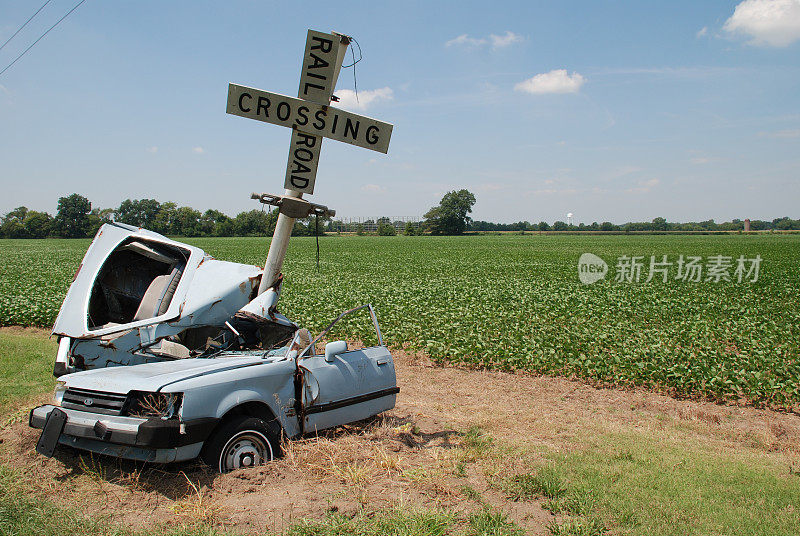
[414,455]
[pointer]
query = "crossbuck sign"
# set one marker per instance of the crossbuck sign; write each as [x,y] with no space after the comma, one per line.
[310,116]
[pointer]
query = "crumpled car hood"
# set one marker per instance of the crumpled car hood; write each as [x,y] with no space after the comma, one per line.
[154,376]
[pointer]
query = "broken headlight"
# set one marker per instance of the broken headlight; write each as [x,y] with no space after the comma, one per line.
[58,395]
[147,405]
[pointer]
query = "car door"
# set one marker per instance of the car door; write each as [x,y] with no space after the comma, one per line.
[355,385]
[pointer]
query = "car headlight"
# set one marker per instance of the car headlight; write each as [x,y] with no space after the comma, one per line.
[58,395]
[152,405]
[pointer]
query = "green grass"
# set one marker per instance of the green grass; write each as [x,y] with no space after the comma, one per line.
[515,302]
[675,486]
[545,483]
[26,367]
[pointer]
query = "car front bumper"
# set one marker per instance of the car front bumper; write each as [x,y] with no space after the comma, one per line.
[154,440]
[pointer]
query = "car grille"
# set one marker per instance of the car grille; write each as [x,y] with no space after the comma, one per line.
[94,401]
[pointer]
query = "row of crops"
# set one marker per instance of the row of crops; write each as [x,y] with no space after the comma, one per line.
[515,302]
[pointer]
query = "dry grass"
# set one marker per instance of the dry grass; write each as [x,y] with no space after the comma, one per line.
[196,506]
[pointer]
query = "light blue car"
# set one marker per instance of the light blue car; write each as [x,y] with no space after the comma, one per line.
[166,354]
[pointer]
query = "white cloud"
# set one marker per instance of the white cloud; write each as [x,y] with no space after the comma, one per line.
[702,32]
[495,41]
[4,89]
[152,149]
[465,40]
[556,81]
[768,22]
[373,188]
[365,98]
[198,150]
[501,41]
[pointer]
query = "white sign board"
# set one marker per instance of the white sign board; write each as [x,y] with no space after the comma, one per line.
[309,117]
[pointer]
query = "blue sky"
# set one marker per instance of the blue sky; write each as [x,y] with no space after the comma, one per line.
[619,111]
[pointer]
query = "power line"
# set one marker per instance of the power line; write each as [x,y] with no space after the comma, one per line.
[42,36]
[26,23]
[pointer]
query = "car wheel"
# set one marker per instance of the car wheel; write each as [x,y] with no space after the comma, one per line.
[242,442]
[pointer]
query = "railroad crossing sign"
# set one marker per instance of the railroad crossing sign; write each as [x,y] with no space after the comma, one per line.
[310,116]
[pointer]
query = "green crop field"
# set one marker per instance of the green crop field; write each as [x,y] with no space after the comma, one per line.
[515,302]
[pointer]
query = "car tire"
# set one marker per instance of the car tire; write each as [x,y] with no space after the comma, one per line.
[242,442]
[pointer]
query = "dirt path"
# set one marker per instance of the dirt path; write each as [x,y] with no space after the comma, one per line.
[417,454]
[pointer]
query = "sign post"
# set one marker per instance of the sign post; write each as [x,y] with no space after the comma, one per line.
[311,118]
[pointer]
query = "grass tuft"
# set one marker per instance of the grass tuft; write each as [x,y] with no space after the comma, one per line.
[545,483]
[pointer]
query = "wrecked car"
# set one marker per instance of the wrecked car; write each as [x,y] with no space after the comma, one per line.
[166,354]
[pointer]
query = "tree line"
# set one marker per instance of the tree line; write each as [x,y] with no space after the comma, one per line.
[657,225]
[75,218]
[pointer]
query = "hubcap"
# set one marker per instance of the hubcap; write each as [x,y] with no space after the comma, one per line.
[245,449]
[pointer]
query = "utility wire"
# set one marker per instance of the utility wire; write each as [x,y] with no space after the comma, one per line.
[26,23]
[42,36]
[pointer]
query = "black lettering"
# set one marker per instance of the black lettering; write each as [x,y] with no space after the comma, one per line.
[325,45]
[307,139]
[300,168]
[241,106]
[303,151]
[299,182]
[315,86]
[335,120]
[372,135]
[301,114]
[318,62]
[320,115]
[353,130]
[317,76]
[263,103]
[283,105]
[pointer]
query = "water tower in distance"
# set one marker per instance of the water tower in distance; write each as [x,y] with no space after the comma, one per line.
[569,218]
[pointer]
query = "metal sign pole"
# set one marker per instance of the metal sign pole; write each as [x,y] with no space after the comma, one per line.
[322,62]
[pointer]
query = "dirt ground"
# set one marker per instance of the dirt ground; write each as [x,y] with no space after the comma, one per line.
[413,455]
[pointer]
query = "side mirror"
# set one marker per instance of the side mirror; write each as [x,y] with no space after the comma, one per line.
[332,349]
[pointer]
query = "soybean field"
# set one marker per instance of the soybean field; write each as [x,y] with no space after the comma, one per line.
[721,331]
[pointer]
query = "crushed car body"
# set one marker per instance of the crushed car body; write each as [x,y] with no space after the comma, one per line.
[166,354]
[139,297]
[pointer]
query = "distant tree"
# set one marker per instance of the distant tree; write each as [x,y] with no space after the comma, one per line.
[38,224]
[97,218]
[659,224]
[254,223]
[18,214]
[410,229]
[560,226]
[13,224]
[544,226]
[359,229]
[450,217]
[186,222]
[386,229]
[164,219]
[215,223]
[12,228]
[138,212]
[314,229]
[608,226]
[72,218]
